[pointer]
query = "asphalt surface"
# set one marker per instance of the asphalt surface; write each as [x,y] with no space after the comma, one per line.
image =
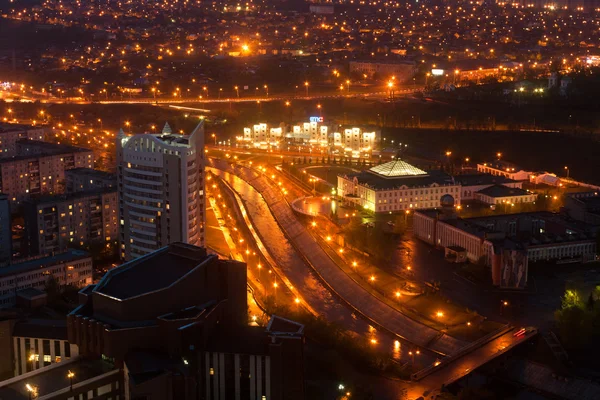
[358,298]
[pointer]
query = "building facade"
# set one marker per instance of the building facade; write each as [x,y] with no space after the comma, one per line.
[508,243]
[185,321]
[335,139]
[506,169]
[83,218]
[39,168]
[84,179]
[10,134]
[5,231]
[73,267]
[396,186]
[161,191]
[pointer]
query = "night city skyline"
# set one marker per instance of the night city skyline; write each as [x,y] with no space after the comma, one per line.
[292,200]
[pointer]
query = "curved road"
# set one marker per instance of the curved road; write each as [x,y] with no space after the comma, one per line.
[357,297]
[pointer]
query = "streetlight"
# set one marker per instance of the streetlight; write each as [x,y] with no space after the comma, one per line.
[503,304]
[214,137]
[128,125]
[348,85]
[71,375]
[220,90]
[567,169]
[390,86]
[306,86]
[499,155]
[237,90]
[32,391]
[267,89]
[320,110]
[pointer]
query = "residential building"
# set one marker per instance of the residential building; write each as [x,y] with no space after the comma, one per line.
[335,139]
[5,231]
[10,134]
[161,190]
[507,243]
[506,169]
[396,186]
[73,267]
[185,323]
[53,223]
[84,179]
[39,168]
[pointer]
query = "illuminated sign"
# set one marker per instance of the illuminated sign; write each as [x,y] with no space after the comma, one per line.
[437,72]
[316,119]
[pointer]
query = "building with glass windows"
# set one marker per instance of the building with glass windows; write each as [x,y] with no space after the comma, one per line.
[396,186]
[161,190]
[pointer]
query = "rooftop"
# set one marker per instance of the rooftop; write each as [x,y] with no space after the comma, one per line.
[41,328]
[59,198]
[152,272]
[42,262]
[397,168]
[91,173]
[503,165]
[379,182]
[4,128]
[481,179]
[52,379]
[503,191]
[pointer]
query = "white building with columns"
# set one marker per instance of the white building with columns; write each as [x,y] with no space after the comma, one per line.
[397,186]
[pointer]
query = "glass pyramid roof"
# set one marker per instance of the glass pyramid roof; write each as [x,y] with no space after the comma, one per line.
[397,168]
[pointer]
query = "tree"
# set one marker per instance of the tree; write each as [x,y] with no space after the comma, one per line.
[52,289]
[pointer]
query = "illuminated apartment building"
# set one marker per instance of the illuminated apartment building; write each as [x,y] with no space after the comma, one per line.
[161,190]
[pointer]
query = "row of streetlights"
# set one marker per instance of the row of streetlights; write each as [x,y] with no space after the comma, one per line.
[32,390]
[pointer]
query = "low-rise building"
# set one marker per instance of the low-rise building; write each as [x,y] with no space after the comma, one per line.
[508,243]
[83,218]
[39,168]
[584,206]
[498,195]
[506,169]
[396,186]
[473,183]
[73,267]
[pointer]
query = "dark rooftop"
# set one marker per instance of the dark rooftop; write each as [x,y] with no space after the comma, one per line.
[92,173]
[52,379]
[59,198]
[41,328]
[152,272]
[17,128]
[503,191]
[245,340]
[481,179]
[36,263]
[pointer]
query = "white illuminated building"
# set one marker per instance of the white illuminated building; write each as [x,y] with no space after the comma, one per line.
[161,190]
[349,141]
[397,186]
